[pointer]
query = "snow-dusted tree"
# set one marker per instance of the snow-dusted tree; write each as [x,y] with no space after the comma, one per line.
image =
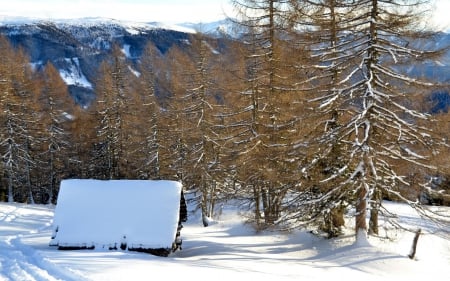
[16,121]
[272,105]
[149,114]
[369,116]
[113,92]
[439,192]
[56,106]
[177,125]
[81,157]
[199,103]
[27,88]
[322,27]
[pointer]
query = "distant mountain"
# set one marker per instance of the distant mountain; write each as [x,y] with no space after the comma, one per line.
[77,47]
[222,28]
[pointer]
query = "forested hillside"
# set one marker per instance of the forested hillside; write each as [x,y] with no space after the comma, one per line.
[315,110]
[77,47]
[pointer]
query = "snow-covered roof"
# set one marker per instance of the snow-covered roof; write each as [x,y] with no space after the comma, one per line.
[96,213]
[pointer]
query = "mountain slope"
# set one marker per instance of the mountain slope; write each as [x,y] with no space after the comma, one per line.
[77,47]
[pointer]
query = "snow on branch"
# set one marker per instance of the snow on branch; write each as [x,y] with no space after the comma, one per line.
[411,112]
[412,153]
[412,160]
[335,175]
[404,78]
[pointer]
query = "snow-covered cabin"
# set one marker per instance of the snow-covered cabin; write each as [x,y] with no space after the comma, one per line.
[137,215]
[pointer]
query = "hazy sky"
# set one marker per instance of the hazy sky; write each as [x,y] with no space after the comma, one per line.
[441,16]
[170,11]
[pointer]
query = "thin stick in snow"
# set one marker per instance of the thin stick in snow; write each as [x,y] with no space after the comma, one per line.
[414,245]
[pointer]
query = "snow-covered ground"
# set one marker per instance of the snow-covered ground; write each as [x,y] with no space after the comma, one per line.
[227,250]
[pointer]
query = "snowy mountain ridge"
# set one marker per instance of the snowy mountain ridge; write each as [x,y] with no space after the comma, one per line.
[77,46]
[216,28]
[88,22]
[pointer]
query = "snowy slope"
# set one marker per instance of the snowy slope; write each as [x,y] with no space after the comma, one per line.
[73,75]
[227,250]
[77,47]
[131,26]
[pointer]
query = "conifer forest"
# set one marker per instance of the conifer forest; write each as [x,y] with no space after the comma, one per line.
[308,115]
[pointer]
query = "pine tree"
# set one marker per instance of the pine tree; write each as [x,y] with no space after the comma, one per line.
[113,93]
[149,114]
[82,157]
[273,108]
[178,126]
[196,105]
[374,122]
[16,118]
[56,106]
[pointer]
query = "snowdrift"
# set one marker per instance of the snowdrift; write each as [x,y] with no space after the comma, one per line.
[230,249]
[138,215]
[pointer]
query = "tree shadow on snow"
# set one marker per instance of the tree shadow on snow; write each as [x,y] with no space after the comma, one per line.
[243,244]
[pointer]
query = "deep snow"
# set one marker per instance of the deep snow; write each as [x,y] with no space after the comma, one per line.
[228,249]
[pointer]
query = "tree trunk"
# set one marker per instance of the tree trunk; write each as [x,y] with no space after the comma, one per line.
[51,181]
[375,207]
[204,206]
[30,188]
[10,186]
[256,198]
[205,219]
[269,216]
[333,221]
[361,206]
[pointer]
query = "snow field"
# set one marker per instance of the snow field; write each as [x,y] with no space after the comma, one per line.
[228,249]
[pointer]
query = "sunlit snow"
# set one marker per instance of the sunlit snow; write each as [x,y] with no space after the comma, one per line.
[73,75]
[126,50]
[229,249]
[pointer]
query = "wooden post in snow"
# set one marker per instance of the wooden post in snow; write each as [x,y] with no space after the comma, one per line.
[412,253]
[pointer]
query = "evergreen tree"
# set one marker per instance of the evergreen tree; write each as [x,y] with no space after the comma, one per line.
[112,102]
[82,156]
[16,118]
[196,104]
[274,105]
[374,124]
[149,114]
[56,106]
